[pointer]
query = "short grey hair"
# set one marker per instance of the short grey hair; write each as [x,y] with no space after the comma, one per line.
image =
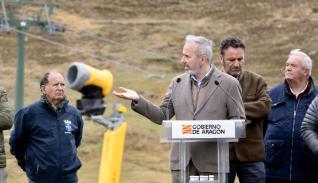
[307,62]
[45,78]
[205,46]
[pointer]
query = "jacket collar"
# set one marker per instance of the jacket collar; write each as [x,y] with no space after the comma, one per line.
[309,89]
[285,92]
[186,93]
[211,87]
[54,108]
[205,79]
[241,75]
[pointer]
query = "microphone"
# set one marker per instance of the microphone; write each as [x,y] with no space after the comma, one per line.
[218,84]
[178,80]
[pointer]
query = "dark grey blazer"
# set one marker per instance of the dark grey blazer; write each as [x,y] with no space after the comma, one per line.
[214,105]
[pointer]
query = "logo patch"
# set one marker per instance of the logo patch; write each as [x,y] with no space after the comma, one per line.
[68,126]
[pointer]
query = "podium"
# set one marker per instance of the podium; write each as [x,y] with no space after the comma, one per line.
[220,132]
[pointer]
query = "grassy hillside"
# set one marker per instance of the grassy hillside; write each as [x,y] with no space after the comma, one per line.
[140,42]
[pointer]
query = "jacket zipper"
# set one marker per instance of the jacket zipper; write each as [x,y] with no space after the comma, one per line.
[59,142]
[292,139]
[37,169]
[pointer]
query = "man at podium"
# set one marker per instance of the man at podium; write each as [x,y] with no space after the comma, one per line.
[201,93]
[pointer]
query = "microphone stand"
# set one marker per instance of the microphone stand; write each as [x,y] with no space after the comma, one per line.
[222,145]
[183,147]
[218,84]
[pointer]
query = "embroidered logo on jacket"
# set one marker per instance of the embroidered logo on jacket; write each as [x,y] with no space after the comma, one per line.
[68,126]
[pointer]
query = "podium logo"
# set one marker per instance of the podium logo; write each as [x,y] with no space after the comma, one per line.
[186,129]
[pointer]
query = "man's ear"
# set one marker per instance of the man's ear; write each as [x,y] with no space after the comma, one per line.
[204,59]
[42,88]
[307,72]
[221,59]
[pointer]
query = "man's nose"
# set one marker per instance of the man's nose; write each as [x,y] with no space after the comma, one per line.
[236,63]
[182,60]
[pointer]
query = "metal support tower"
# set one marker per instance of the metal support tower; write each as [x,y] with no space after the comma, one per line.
[22,24]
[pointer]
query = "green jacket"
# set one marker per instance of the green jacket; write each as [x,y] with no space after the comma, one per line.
[6,121]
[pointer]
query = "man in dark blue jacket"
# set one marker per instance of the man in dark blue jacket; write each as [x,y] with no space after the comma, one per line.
[46,135]
[288,159]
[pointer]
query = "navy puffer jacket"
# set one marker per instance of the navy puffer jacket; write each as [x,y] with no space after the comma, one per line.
[309,127]
[287,156]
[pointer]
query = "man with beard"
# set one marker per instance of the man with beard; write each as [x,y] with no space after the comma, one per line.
[247,155]
[201,93]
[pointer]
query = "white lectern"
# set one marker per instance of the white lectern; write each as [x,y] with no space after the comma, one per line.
[219,131]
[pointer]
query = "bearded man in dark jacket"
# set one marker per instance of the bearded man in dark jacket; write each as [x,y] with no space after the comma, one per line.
[246,155]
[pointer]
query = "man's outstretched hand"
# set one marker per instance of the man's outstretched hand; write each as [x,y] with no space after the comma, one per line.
[126,94]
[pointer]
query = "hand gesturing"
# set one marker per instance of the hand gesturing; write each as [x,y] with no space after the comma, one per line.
[126,94]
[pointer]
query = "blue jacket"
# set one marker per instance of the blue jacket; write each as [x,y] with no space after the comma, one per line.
[44,142]
[287,156]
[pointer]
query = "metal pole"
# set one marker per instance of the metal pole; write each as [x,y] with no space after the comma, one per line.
[19,91]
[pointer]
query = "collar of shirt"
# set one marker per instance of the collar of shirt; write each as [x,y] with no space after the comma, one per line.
[238,76]
[55,108]
[201,82]
[302,91]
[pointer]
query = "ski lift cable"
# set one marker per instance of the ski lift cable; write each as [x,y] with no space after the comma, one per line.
[103,39]
[107,40]
[89,54]
[93,35]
